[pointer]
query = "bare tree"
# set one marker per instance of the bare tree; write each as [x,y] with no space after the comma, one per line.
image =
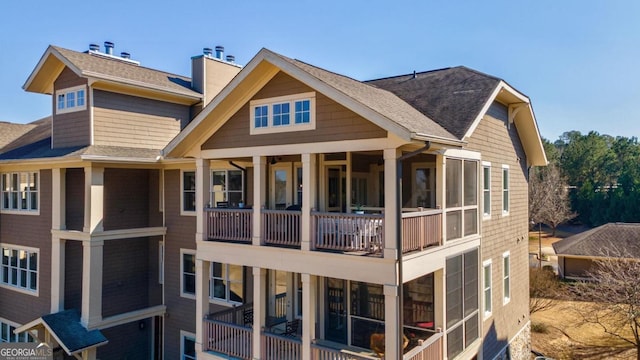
[544,289]
[615,294]
[549,198]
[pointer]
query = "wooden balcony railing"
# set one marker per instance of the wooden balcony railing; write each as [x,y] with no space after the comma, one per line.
[228,224]
[237,315]
[278,347]
[421,229]
[319,352]
[281,227]
[228,339]
[348,232]
[428,349]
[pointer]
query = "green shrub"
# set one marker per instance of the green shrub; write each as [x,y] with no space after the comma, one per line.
[540,328]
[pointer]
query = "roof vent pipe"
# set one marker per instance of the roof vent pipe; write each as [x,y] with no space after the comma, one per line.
[207,51]
[231,58]
[94,47]
[414,74]
[108,47]
[125,55]
[220,52]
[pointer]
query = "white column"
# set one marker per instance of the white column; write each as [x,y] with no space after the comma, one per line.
[348,183]
[92,282]
[259,307]
[309,185]
[58,222]
[58,199]
[203,269]
[93,199]
[439,306]
[309,304]
[203,181]
[391,317]
[441,170]
[259,196]
[89,354]
[390,204]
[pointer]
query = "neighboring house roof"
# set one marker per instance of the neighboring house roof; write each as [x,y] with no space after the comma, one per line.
[66,328]
[9,132]
[612,239]
[453,97]
[35,131]
[105,68]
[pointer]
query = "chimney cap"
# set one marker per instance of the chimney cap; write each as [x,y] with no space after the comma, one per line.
[231,58]
[207,51]
[125,55]
[94,47]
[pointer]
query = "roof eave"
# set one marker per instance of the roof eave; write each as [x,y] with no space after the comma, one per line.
[194,97]
[438,139]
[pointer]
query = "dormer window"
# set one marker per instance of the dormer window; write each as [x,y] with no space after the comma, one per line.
[283,114]
[70,99]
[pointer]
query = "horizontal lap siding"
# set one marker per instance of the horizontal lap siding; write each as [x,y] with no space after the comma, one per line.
[181,312]
[73,128]
[126,198]
[334,122]
[73,275]
[128,341]
[501,145]
[130,121]
[74,195]
[35,232]
[577,267]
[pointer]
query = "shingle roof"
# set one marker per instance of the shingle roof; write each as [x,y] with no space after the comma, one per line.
[122,71]
[379,100]
[74,337]
[9,132]
[607,240]
[452,97]
[36,131]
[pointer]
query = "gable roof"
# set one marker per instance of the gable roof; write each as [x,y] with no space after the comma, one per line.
[606,240]
[9,132]
[106,68]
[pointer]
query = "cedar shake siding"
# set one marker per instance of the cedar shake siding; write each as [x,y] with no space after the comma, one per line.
[334,122]
[73,275]
[74,198]
[131,121]
[72,128]
[500,145]
[126,198]
[32,231]
[128,341]
[181,312]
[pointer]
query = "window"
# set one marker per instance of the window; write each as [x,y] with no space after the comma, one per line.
[7,333]
[227,188]
[71,99]
[506,278]
[188,191]
[274,114]
[486,189]
[505,189]
[461,198]
[188,268]
[20,191]
[187,345]
[19,268]
[486,287]
[424,185]
[462,302]
[227,283]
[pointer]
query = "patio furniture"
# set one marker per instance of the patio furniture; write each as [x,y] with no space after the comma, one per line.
[291,328]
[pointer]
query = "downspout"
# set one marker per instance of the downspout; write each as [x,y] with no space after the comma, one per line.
[244,176]
[399,310]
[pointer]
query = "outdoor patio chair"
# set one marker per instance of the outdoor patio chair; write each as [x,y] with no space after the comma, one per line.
[291,328]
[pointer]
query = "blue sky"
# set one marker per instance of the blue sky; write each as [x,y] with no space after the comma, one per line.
[576,59]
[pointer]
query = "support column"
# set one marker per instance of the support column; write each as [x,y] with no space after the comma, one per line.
[439,306]
[203,181]
[309,185]
[203,269]
[259,196]
[309,305]
[58,222]
[89,354]
[390,204]
[93,199]
[259,308]
[391,317]
[441,172]
[92,282]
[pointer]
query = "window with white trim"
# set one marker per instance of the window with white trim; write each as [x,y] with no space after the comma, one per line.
[19,268]
[227,283]
[486,189]
[506,277]
[188,273]
[20,191]
[227,188]
[461,198]
[283,114]
[188,193]
[7,334]
[71,99]
[505,189]
[486,287]
[187,345]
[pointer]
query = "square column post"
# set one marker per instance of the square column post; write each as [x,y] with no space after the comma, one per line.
[58,222]
[92,282]
[441,170]
[391,316]
[203,269]
[309,305]
[203,181]
[391,209]
[93,199]
[259,196]
[259,308]
[309,185]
